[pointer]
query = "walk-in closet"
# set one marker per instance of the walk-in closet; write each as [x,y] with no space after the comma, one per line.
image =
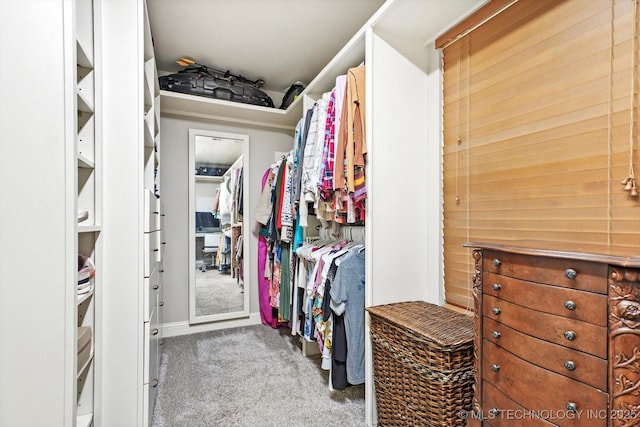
[99,246]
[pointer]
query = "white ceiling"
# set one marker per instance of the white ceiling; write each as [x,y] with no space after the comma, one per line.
[216,151]
[279,41]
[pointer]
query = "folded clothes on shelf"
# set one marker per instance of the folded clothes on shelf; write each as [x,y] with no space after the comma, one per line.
[86,272]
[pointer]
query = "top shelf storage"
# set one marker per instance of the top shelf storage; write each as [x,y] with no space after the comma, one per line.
[178,104]
[399,19]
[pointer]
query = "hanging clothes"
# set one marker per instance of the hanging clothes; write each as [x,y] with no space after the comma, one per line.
[325,305]
[347,295]
[266,313]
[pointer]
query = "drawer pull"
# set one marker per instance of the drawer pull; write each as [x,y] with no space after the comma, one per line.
[570,273]
[162,270]
[496,263]
[155,331]
[572,407]
[570,365]
[495,334]
[155,383]
[496,286]
[155,287]
[570,305]
[496,310]
[161,303]
[495,368]
[570,335]
[494,411]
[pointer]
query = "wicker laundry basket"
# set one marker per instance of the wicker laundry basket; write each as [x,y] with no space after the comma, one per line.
[422,364]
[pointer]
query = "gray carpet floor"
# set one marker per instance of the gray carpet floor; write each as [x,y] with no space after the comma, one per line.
[217,293]
[252,376]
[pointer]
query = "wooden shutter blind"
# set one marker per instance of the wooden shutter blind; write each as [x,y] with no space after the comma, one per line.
[537,104]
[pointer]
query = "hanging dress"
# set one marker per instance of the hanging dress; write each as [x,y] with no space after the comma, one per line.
[266,312]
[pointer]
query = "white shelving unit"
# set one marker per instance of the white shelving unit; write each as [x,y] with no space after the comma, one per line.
[153,231]
[88,152]
[133,256]
[44,189]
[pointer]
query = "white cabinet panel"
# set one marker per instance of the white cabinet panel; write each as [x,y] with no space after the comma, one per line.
[151,335]
[152,212]
[152,251]
[151,287]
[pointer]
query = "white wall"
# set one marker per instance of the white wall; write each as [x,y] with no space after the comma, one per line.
[205,195]
[174,194]
[37,233]
[401,167]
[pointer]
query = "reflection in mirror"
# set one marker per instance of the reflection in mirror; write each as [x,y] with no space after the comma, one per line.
[216,206]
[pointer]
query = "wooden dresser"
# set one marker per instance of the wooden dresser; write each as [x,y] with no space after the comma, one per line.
[557,335]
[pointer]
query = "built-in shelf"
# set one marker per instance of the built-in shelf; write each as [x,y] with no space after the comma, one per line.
[85,420]
[88,190]
[179,104]
[83,297]
[182,105]
[89,228]
[84,162]
[210,178]
[84,56]
[86,364]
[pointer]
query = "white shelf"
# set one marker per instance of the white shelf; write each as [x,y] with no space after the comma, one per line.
[89,228]
[84,162]
[148,40]
[88,193]
[83,297]
[148,132]
[85,420]
[84,32]
[85,59]
[207,178]
[84,104]
[149,76]
[86,364]
[182,105]
[86,89]
[86,136]
[179,104]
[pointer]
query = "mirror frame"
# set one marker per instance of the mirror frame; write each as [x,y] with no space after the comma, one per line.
[193,319]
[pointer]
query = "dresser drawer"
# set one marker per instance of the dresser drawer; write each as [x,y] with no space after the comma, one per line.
[509,413]
[151,251]
[568,273]
[570,333]
[587,306]
[152,212]
[150,298]
[580,366]
[540,390]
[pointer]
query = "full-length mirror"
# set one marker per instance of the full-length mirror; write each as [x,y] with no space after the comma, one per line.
[216,246]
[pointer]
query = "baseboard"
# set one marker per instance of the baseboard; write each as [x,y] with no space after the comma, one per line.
[183,328]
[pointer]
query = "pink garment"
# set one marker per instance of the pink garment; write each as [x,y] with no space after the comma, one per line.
[266,313]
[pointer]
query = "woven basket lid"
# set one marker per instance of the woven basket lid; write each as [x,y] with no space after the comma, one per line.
[440,325]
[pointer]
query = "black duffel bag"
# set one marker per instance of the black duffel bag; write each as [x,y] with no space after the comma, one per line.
[201,81]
